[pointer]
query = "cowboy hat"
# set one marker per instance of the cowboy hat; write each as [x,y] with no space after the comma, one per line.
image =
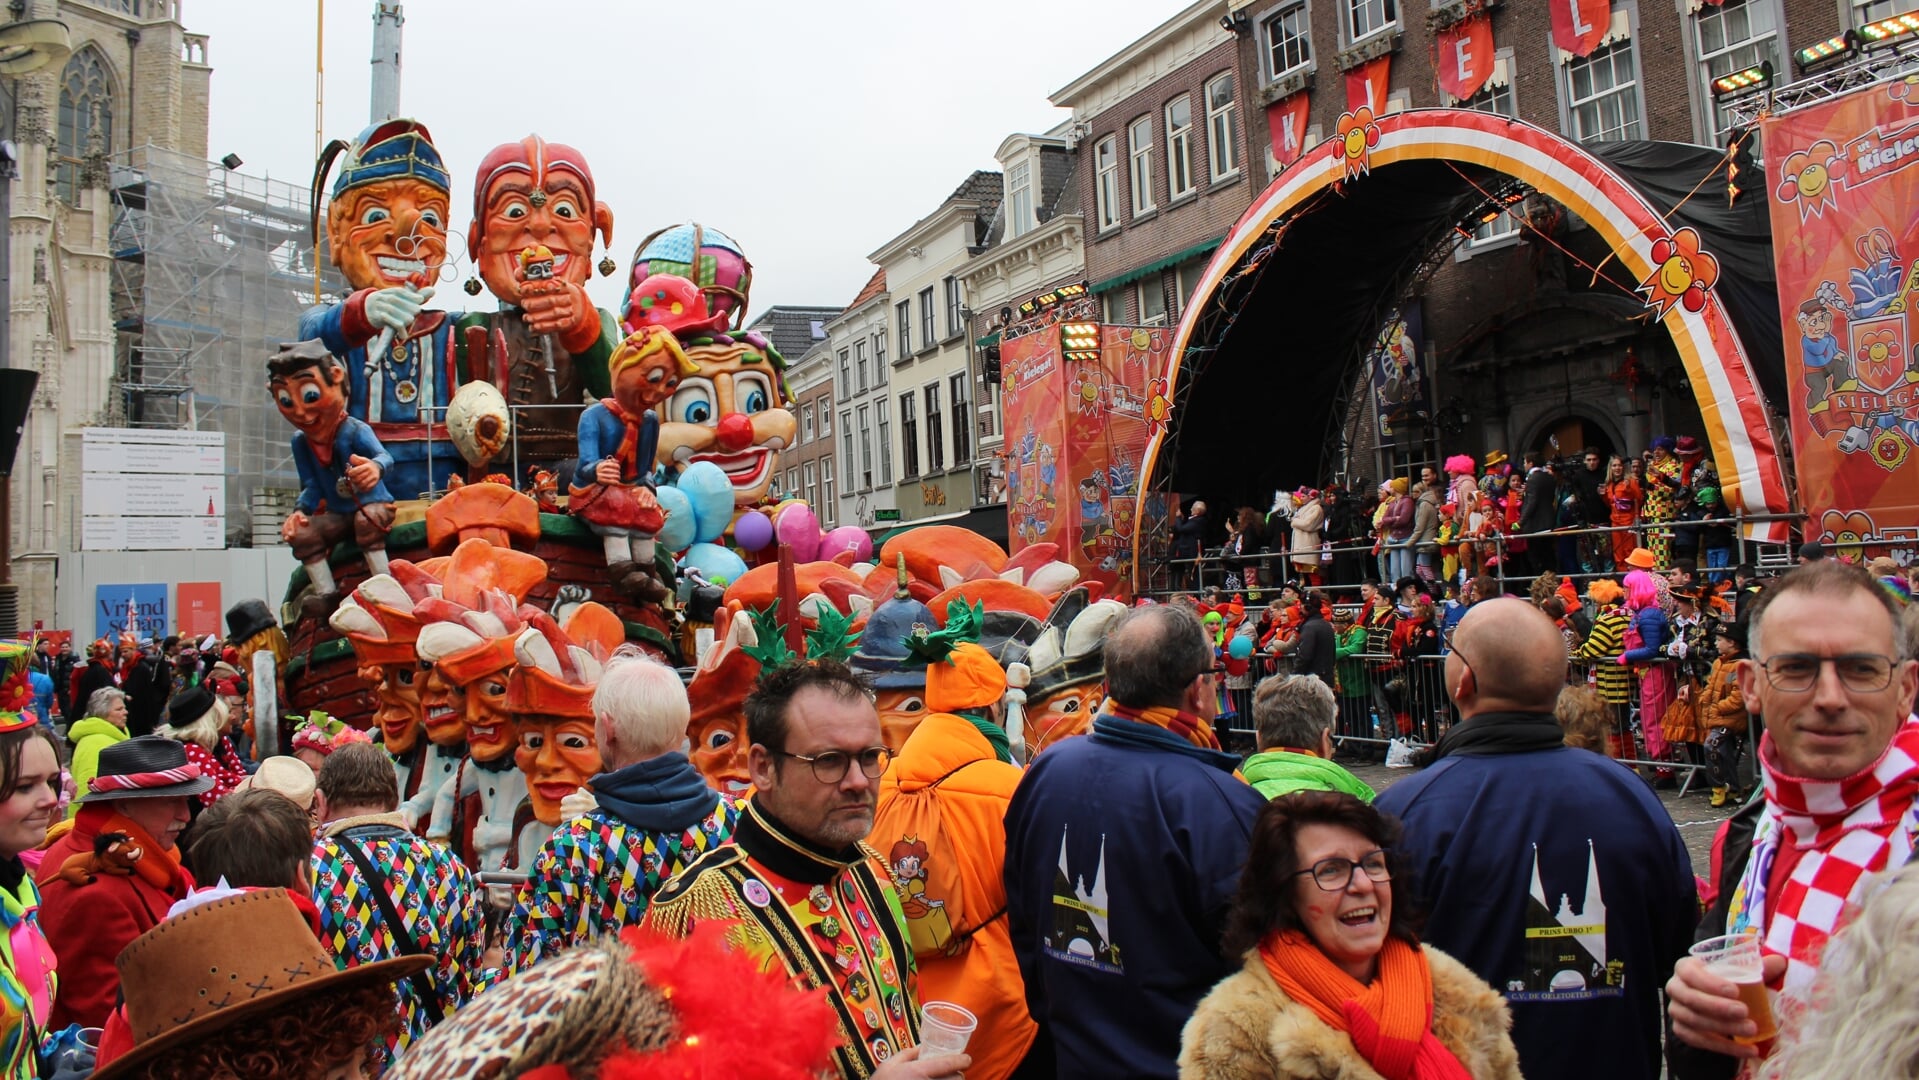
[287,775]
[146,767]
[230,958]
[1497,457]
[1642,559]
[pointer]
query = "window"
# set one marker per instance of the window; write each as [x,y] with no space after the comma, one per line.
[909,437]
[806,423]
[879,357]
[1113,308]
[935,453]
[1368,17]
[1187,278]
[886,441]
[1152,301]
[826,418]
[1222,127]
[903,312]
[792,487]
[859,366]
[1494,97]
[928,334]
[1866,11]
[828,508]
[1106,189]
[962,430]
[812,486]
[1019,199]
[1289,41]
[1179,146]
[846,373]
[866,448]
[1139,140]
[955,322]
[1602,96]
[1733,36]
[846,437]
[989,413]
[86,100]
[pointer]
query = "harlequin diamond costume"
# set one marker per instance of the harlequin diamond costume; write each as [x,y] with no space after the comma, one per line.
[359,861]
[27,980]
[595,874]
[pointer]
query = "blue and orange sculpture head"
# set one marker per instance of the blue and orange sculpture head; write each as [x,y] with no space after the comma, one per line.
[387,219]
[531,193]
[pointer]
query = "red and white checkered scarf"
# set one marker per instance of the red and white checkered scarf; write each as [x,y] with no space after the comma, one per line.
[1841,832]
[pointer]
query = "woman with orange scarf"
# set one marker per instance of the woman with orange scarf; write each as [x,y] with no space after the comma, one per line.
[1336,982]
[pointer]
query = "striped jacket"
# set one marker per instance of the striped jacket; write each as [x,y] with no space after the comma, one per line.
[1602,649]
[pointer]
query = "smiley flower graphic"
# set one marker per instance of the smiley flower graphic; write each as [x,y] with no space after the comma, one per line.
[1682,274]
[1357,135]
[1808,178]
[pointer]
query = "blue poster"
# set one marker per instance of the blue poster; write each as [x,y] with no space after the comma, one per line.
[148,604]
[1401,397]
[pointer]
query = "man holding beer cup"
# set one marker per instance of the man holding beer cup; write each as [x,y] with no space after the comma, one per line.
[1840,757]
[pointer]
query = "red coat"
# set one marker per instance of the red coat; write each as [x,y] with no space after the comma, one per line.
[89,925]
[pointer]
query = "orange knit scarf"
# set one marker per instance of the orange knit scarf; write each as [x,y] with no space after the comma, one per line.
[157,866]
[1390,1021]
[1193,728]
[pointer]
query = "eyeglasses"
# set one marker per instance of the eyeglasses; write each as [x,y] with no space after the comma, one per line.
[830,766]
[1796,672]
[1335,874]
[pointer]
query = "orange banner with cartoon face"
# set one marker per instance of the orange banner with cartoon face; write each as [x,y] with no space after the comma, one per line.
[1846,243]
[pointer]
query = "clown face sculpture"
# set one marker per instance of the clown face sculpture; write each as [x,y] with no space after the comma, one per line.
[535,193]
[732,412]
[558,756]
[389,232]
[717,727]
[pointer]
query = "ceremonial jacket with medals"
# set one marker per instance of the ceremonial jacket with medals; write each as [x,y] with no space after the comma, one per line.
[830,919]
[386,392]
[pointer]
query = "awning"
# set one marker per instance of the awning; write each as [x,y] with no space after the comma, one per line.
[987,341]
[988,521]
[1156,266]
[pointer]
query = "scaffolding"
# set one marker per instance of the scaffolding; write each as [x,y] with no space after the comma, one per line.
[211,271]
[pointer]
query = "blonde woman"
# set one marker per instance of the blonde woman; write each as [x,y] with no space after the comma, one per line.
[199,720]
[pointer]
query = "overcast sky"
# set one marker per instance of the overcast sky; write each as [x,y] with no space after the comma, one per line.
[812,132]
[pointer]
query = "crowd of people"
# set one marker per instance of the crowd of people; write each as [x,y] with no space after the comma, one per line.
[1135,902]
[1464,517]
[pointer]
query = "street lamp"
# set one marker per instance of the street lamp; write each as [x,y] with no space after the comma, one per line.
[26,45]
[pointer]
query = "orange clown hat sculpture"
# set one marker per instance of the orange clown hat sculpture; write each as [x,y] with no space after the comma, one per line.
[550,697]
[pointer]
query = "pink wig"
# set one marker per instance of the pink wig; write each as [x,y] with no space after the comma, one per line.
[1460,464]
[1641,590]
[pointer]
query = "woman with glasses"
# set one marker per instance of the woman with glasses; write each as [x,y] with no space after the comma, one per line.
[1335,981]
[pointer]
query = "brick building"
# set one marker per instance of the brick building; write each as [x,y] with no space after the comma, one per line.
[1526,350]
[1163,169]
[799,333]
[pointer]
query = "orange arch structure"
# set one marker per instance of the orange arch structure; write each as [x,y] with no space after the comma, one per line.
[1666,261]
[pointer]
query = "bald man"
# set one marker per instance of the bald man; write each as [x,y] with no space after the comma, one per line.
[1551,872]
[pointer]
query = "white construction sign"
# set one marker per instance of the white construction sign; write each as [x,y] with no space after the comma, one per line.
[153,490]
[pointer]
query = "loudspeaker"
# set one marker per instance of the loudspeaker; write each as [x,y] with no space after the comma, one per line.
[16,394]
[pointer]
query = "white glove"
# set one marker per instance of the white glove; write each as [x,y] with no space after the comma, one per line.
[578,804]
[395,309]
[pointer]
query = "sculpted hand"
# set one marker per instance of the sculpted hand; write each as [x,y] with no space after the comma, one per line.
[607,472]
[294,523]
[553,306]
[1706,1010]
[362,473]
[908,1065]
[395,309]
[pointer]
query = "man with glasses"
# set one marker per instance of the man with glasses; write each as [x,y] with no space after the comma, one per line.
[1123,853]
[797,889]
[1829,674]
[1553,873]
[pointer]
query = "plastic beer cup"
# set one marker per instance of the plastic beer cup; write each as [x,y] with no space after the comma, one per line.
[945,1028]
[1736,959]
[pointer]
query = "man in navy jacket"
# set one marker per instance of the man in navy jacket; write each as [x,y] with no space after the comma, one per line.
[1123,852]
[1553,873]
